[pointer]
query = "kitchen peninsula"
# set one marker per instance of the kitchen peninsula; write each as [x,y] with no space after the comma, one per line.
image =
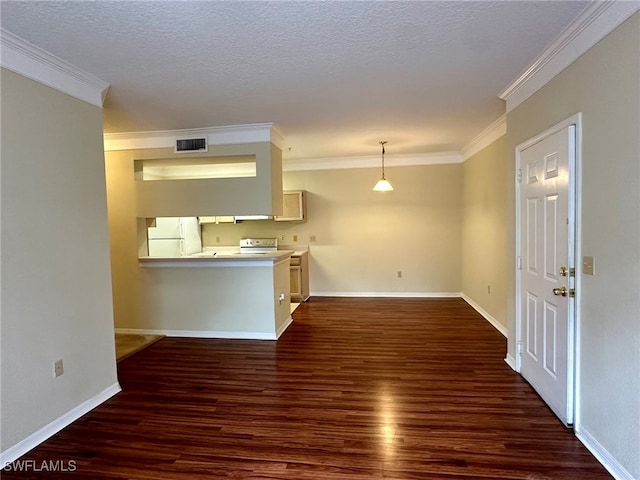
[208,297]
[216,294]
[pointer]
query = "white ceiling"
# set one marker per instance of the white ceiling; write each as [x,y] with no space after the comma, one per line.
[334,76]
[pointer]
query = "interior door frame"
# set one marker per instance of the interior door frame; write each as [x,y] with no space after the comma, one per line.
[575,251]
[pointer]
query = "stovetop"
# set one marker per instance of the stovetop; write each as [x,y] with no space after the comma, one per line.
[258,245]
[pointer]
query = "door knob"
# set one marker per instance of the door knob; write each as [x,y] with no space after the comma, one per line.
[563,291]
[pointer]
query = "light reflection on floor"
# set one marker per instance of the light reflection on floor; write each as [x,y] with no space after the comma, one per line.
[128,344]
[387,421]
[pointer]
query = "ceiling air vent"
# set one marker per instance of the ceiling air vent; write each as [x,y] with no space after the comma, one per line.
[191,145]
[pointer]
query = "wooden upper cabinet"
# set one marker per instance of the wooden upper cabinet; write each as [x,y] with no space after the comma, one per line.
[294,207]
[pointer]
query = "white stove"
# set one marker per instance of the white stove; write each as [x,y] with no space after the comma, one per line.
[258,245]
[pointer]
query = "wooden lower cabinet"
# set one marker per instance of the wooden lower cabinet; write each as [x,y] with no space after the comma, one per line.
[299,274]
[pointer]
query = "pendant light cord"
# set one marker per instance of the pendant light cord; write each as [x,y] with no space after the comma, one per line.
[382,143]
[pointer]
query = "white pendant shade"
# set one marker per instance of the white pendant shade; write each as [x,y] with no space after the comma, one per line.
[383,185]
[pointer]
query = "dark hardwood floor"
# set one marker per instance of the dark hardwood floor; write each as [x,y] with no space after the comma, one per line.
[354,389]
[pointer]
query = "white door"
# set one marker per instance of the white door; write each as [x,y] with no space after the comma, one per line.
[545,267]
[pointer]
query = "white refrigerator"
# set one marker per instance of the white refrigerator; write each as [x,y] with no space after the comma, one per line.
[174,237]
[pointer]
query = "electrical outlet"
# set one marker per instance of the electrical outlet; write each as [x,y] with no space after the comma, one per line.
[295,238]
[217,239]
[312,238]
[58,368]
[282,237]
[399,274]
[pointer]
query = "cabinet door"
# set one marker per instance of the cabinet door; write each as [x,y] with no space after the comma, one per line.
[296,282]
[216,220]
[293,207]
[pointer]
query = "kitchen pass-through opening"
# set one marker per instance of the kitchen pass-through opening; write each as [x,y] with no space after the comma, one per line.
[235,166]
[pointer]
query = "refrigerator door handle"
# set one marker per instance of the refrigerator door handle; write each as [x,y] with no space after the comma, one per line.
[182,248]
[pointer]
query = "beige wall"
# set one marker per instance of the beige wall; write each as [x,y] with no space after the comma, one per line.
[130,310]
[484,230]
[261,194]
[56,292]
[123,232]
[603,84]
[363,238]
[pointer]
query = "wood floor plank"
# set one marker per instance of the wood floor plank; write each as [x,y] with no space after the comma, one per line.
[356,388]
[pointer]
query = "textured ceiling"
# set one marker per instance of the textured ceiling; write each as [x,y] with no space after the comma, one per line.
[335,77]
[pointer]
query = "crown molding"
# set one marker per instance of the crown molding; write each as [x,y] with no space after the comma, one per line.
[489,135]
[232,134]
[333,163]
[33,62]
[595,22]
[277,137]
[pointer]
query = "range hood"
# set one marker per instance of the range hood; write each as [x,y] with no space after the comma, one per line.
[252,217]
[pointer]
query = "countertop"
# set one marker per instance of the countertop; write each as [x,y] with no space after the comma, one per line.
[218,258]
[298,250]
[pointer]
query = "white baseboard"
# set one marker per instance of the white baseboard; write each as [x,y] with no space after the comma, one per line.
[496,324]
[511,361]
[202,334]
[389,294]
[137,331]
[36,438]
[284,326]
[604,457]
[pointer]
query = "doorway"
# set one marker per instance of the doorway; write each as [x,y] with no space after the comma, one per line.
[546,251]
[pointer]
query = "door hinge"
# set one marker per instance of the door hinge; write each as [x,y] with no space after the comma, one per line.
[519,263]
[519,348]
[519,175]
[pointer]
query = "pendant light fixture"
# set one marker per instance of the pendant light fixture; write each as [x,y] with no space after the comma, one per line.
[383,184]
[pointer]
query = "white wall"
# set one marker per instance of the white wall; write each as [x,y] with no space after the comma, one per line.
[603,84]
[56,290]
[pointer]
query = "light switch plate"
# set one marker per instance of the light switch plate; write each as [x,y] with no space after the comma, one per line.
[588,266]
[58,369]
